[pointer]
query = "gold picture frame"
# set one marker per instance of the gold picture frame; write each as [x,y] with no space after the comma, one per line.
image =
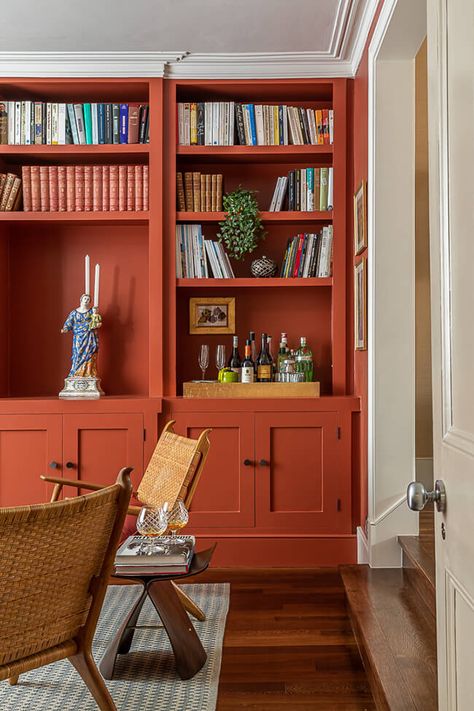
[360,218]
[360,305]
[212,315]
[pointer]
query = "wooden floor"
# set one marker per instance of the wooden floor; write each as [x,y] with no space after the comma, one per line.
[288,643]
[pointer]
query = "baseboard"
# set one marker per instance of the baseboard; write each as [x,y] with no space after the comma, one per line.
[280,552]
[383,547]
[362,547]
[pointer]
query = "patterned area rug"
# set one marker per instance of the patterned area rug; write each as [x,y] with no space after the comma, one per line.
[145,678]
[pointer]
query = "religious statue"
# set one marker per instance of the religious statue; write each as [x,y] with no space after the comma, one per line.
[84,322]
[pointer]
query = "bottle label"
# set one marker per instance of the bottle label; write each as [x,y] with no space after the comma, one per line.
[248,374]
[264,372]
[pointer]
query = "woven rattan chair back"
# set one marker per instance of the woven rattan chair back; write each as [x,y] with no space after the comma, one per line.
[174,469]
[55,562]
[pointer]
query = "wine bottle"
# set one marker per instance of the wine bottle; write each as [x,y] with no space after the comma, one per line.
[270,353]
[253,350]
[248,366]
[264,363]
[234,360]
[304,360]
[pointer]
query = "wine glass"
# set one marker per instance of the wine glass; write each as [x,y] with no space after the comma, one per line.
[221,359]
[178,518]
[152,522]
[204,359]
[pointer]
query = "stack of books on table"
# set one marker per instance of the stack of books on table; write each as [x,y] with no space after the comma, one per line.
[166,557]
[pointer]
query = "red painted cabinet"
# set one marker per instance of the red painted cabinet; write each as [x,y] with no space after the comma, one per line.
[302,481]
[225,495]
[29,444]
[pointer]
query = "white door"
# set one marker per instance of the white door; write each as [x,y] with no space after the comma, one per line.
[451,117]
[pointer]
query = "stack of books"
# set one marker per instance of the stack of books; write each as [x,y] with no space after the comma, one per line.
[25,123]
[199,258]
[309,255]
[10,192]
[199,192]
[85,188]
[306,190]
[222,123]
[169,557]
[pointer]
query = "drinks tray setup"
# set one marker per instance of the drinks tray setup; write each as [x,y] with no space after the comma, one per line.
[249,390]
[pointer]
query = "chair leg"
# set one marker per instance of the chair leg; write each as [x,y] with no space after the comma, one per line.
[13,680]
[188,604]
[84,664]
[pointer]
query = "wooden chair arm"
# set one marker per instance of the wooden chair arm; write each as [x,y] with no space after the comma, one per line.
[73,482]
[134,510]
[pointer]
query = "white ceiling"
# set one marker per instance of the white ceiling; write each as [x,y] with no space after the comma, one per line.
[204,26]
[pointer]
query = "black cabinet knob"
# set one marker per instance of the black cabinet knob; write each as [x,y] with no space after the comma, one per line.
[70,465]
[264,463]
[248,462]
[54,465]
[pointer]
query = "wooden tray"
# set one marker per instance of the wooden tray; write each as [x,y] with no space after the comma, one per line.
[250,390]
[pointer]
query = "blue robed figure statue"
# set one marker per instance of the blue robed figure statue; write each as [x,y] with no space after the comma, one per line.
[84,322]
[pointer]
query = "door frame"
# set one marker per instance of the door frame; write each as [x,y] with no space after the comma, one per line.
[399,32]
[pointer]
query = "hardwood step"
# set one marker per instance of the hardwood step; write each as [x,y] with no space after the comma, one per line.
[419,566]
[396,636]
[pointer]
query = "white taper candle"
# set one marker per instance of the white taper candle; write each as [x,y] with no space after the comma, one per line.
[87,284]
[96,285]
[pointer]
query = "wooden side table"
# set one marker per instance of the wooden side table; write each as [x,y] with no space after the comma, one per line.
[188,651]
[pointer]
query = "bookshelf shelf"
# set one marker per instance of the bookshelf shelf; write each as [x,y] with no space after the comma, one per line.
[256,154]
[54,152]
[253,283]
[283,217]
[104,218]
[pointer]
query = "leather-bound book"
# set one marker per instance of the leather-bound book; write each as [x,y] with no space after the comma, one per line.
[44,187]
[62,188]
[26,177]
[35,189]
[180,192]
[145,187]
[122,188]
[133,123]
[7,186]
[88,188]
[3,123]
[14,196]
[202,207]
[130,185]
[138,188]
[214,193]
[97,205]
[196,191]
[53,188]
[79,187]
[114,188]
[70,188]
[208,192]
[105,187]
[188,189]
[219,192]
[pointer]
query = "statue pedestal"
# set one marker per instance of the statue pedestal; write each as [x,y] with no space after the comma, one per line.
[79,388]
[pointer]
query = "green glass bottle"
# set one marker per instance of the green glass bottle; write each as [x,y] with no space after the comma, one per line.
[304,360]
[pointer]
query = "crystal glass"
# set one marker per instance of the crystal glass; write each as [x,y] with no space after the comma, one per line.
[178,518]
[221,359]
[151,523]
[204,359]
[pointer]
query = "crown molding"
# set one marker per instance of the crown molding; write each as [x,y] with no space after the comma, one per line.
[361,33]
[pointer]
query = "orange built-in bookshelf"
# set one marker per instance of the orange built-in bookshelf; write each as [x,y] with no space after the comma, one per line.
[146,349]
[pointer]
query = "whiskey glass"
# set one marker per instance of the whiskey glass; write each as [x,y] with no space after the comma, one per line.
[178,518]
[151,523]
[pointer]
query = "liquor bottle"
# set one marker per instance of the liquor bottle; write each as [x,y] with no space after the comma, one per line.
[235,363]
[283,352]
[253,349]
[304,360]
[248,366]
[264,363]
[270,353]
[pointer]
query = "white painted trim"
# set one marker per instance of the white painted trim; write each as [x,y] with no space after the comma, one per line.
[362,33]
[362,547]
[86,64]
[388,511]
[339,29]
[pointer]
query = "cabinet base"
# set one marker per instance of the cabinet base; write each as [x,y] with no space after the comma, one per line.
[81,388]
[279,551]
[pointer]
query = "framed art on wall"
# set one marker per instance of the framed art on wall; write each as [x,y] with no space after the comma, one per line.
[214,315]
[360,305]
[360,219]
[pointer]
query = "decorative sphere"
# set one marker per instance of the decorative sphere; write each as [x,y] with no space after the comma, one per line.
[263,267]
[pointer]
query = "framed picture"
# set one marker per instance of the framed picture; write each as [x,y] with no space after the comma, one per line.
[212,315]
[360,219]
[360,305]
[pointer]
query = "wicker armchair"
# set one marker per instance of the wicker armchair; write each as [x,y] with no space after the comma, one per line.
[173,473]
[56,560]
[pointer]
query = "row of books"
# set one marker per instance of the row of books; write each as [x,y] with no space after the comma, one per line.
[200,258]
[85,188]
[25,123]
[309,255]
[225,123]
[304,190]
[10,192]
[199,192]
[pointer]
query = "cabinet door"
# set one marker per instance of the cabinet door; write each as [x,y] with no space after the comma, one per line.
[29,444]
[225,495]
[303,476]
[96,447]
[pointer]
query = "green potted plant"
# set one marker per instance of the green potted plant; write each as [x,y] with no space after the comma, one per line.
[242,227]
